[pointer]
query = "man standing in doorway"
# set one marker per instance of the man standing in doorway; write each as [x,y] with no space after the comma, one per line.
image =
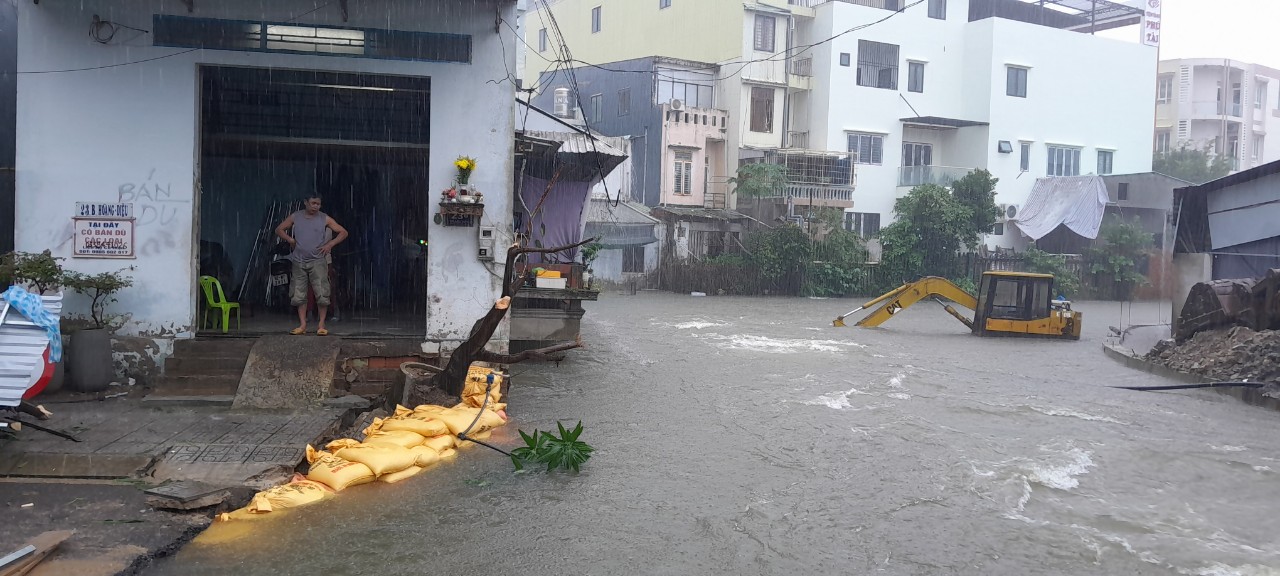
[310,259]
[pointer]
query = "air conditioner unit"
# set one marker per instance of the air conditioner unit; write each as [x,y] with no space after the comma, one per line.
[677,104]
[1010,211]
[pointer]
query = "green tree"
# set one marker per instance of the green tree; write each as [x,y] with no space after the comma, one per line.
[1065,281]
[1194,165]
[925,239]
[1122,244]
[759,180]
[781,255]
[977,192]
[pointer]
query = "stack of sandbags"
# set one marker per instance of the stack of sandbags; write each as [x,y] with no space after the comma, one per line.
[394,448]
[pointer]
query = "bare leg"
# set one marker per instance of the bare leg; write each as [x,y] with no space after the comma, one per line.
[302,317]
[324,311]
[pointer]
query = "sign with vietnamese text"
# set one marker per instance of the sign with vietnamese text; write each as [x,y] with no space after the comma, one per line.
[1151,22]
[103,210]
[103,238]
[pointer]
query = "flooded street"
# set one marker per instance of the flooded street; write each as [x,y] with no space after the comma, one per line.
[748,436]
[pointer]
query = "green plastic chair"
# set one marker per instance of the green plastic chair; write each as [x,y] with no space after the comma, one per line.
[214,298]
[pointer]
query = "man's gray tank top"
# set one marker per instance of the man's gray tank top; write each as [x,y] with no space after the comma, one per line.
[309,231]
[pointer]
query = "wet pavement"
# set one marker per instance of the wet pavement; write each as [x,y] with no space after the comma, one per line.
[748,436]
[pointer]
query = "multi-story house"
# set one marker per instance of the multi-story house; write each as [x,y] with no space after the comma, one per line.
[1225,106]
[909,92]
[701,92]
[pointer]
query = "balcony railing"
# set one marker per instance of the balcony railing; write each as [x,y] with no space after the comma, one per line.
[1208,108]
[895,5]
[802,67]
[819,195]
[940,175]
[806,3]
[798,140]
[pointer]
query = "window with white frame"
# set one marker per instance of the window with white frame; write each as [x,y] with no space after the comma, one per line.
[542,40]
[867,148]
[597,107]
[1016,83]
[877,65]
[844,59]
[915,76]
[595,19]
[938,9]
[1162,141]
[1063,161]
[1257,147]
[1024,156]
[1164,88]
[761,109]
[917,154]
[864,224]
[1106,161]
[1260,94]
[684,173]
[765,27]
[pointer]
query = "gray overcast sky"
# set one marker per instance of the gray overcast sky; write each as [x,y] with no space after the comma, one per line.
[1245,30]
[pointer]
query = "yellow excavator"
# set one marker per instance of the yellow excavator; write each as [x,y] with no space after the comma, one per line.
[1008,304]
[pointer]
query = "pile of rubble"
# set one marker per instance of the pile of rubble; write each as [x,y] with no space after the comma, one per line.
[1227,354]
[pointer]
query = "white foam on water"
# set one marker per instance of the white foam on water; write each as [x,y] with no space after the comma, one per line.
[1262,468]
[690,325]
[1228,448]
[836,400]
[1066,412]
[765,344]
[1062,476]
[1220,569]
[896,380]
[898,396]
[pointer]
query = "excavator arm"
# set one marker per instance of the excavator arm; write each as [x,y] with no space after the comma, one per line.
[912,292]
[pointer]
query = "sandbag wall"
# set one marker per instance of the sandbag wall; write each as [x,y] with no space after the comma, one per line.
[392,449]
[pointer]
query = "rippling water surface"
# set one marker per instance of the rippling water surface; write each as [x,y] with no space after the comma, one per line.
[748,436]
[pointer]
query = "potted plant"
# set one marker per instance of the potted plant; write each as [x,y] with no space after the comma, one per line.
[89,361]
[589,253]
[40,273]
[465,165]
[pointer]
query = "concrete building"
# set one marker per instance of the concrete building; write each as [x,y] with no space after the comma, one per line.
[223,113]
[1226,106]
[911,95]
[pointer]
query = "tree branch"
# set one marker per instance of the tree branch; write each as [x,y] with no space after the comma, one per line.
[542,354]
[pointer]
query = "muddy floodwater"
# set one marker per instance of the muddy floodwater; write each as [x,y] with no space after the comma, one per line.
[743,436]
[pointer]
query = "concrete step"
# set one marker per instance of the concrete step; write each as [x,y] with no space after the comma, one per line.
[201,366]
[154,400]
[197,385]
[214,347]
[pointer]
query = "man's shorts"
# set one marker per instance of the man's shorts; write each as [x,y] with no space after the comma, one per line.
[314,274]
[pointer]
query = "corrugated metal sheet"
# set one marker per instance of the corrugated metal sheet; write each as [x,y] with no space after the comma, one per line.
[577,143]
[623,213]
[22,346]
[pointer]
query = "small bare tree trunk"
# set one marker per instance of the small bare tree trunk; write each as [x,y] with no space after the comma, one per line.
[454,375]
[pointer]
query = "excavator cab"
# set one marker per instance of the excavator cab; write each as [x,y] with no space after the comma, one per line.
[1008,304]
[1019,303]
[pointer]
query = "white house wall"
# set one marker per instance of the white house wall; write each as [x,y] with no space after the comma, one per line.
[1083,90]
[129,133]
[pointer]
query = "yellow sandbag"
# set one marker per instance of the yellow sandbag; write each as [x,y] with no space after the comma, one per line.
[291,495]
[425,456]
[402,411]
[477,382]
[335,472]
[441,442]
[428,409]
[401,438]
[448,453]
[240,514]
[341,443]
[460,417]
[374,427]
[425,424]
[380,458]
[401,475]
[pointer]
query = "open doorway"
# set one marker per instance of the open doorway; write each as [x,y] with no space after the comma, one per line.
[268,139]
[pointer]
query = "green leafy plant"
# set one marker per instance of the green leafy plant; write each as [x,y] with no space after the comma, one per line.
[589,253]
[41,271]
[1065,281]
[1122,244]
[563,451]
[1195,165]
[759,180]
[100,288]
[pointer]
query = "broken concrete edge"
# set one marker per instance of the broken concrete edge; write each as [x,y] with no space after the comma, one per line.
[1251,396]
[144,561]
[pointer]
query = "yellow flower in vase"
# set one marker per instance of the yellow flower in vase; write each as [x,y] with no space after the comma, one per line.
[465,166]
